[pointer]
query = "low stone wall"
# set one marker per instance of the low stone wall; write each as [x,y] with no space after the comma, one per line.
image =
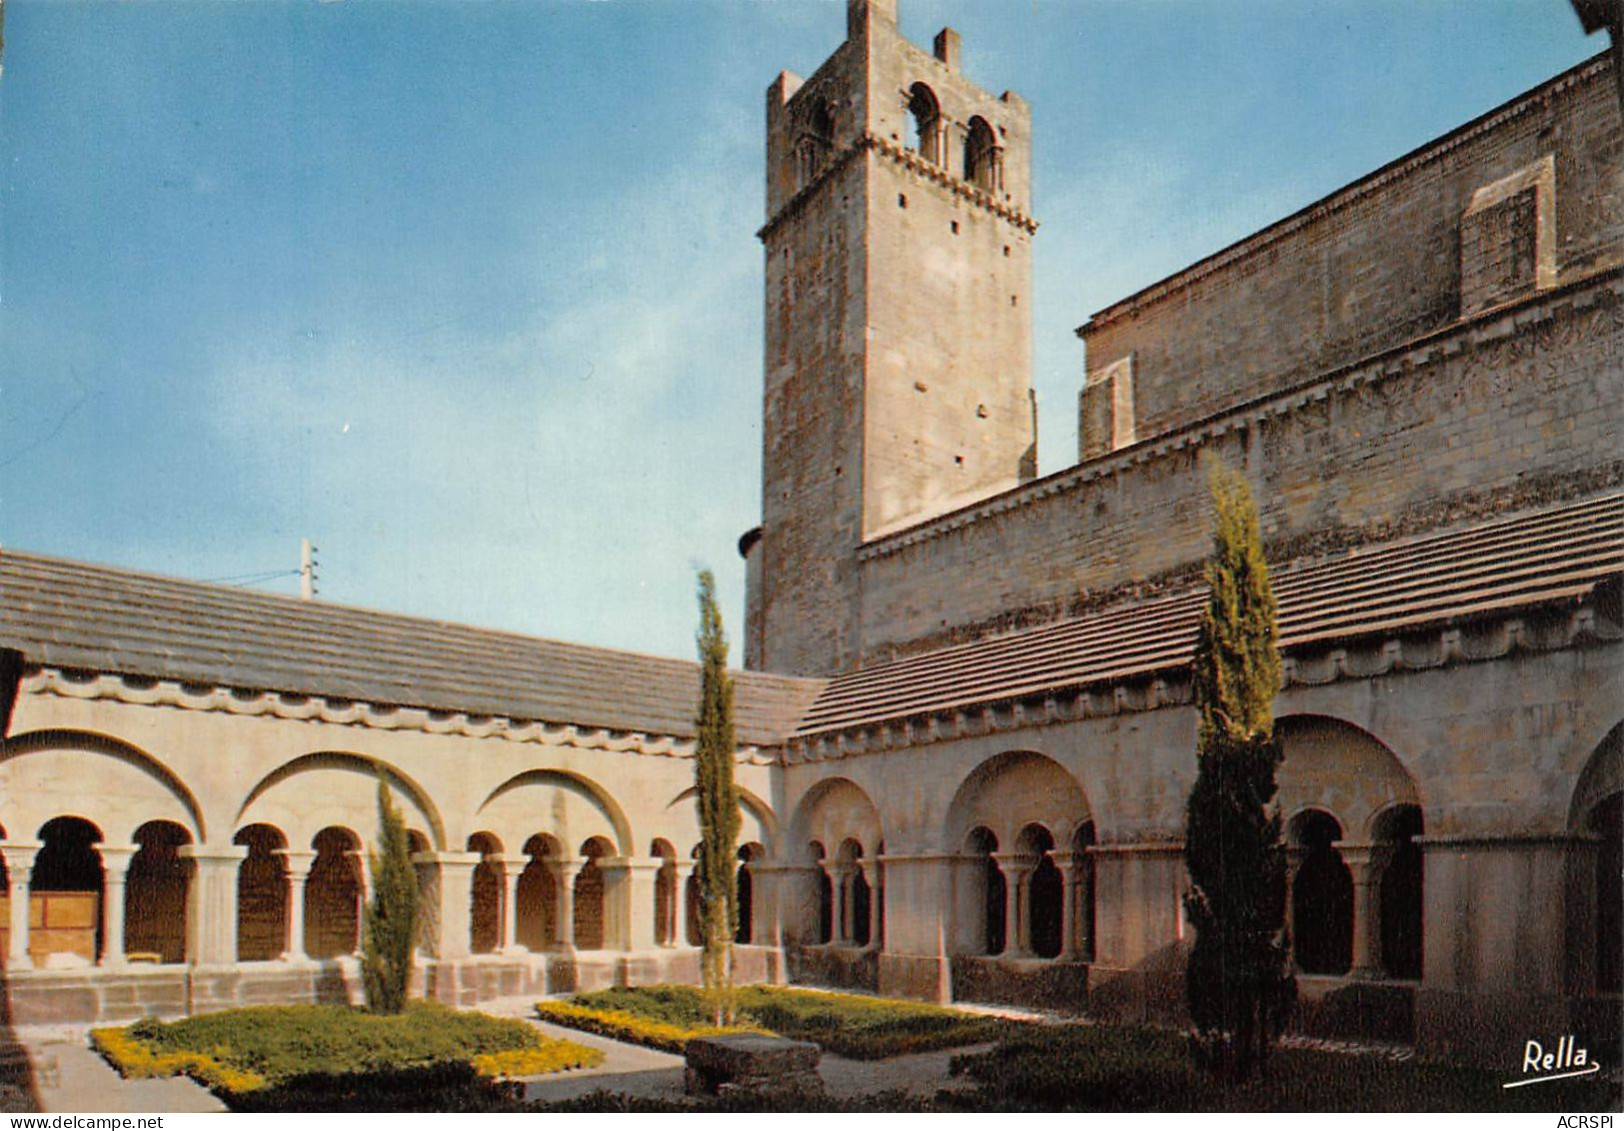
[838,966]
[97,995]
[1037,982]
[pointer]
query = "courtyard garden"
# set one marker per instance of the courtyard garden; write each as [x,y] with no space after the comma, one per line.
[333,1057]
[849,1025]
[1111,1068]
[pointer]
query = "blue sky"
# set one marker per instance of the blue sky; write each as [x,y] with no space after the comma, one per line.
[469,293]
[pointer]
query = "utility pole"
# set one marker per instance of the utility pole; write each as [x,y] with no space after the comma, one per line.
[307,570]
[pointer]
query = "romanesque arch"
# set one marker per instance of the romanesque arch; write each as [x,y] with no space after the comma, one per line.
[837,900]
[925,113]
[578,809]
[1596,813]
[330,787]
[1352,815]
[755,811]
[1019,888]
[43,773]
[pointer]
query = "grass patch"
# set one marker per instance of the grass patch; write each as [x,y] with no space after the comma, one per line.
[862,1028]
[1120,1068]
[337,1051]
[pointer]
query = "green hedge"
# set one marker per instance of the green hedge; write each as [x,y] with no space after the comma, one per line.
[863,1028]
[291,1047]
[1121,1068]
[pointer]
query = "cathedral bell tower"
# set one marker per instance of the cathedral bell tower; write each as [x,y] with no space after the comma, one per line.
[898,323]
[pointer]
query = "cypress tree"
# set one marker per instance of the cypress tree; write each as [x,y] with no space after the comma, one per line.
[389,921]
[1237,983]
[718,801]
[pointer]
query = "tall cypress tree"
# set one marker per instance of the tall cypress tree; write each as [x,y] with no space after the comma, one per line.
[389,921]
[1237,983]
[718,801]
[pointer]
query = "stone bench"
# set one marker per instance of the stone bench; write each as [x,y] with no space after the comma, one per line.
[750,1062]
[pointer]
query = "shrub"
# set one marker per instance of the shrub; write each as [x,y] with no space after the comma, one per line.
[552,1056]
[330,1048]
[863,1028]
[622,1026]
[389,921]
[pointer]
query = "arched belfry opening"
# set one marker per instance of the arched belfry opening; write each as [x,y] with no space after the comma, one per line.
[983,159]
[925,113]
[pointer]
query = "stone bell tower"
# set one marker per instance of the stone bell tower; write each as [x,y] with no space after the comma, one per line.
[898,323]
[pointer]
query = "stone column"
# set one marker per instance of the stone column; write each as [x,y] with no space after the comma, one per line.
[635,907]
[512,868]
[679,903]
[564,870]
[1017,872]
[869,868]
[453,889]
[19,857]
[1365,861]
[115,867]
[1069,867]
[363,891]
[211,903]
[298,862]
[840,876]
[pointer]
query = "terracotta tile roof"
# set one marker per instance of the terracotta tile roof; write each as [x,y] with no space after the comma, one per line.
[1554,555]
[67,614]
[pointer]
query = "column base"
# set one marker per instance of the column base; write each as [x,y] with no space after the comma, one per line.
[922,977]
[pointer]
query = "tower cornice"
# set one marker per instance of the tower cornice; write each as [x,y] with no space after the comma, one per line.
[908,159]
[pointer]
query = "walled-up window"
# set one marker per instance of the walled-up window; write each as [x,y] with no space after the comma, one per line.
[537,925]
[333,894]
[1321,897]
[983,160]
[1607,822]
[926,114]
[1400,891]
[262,895]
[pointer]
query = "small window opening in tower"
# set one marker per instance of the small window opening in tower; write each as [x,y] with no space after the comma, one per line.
[983,159]
[955,227]
[815,143]
[927,123]
[902,200]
